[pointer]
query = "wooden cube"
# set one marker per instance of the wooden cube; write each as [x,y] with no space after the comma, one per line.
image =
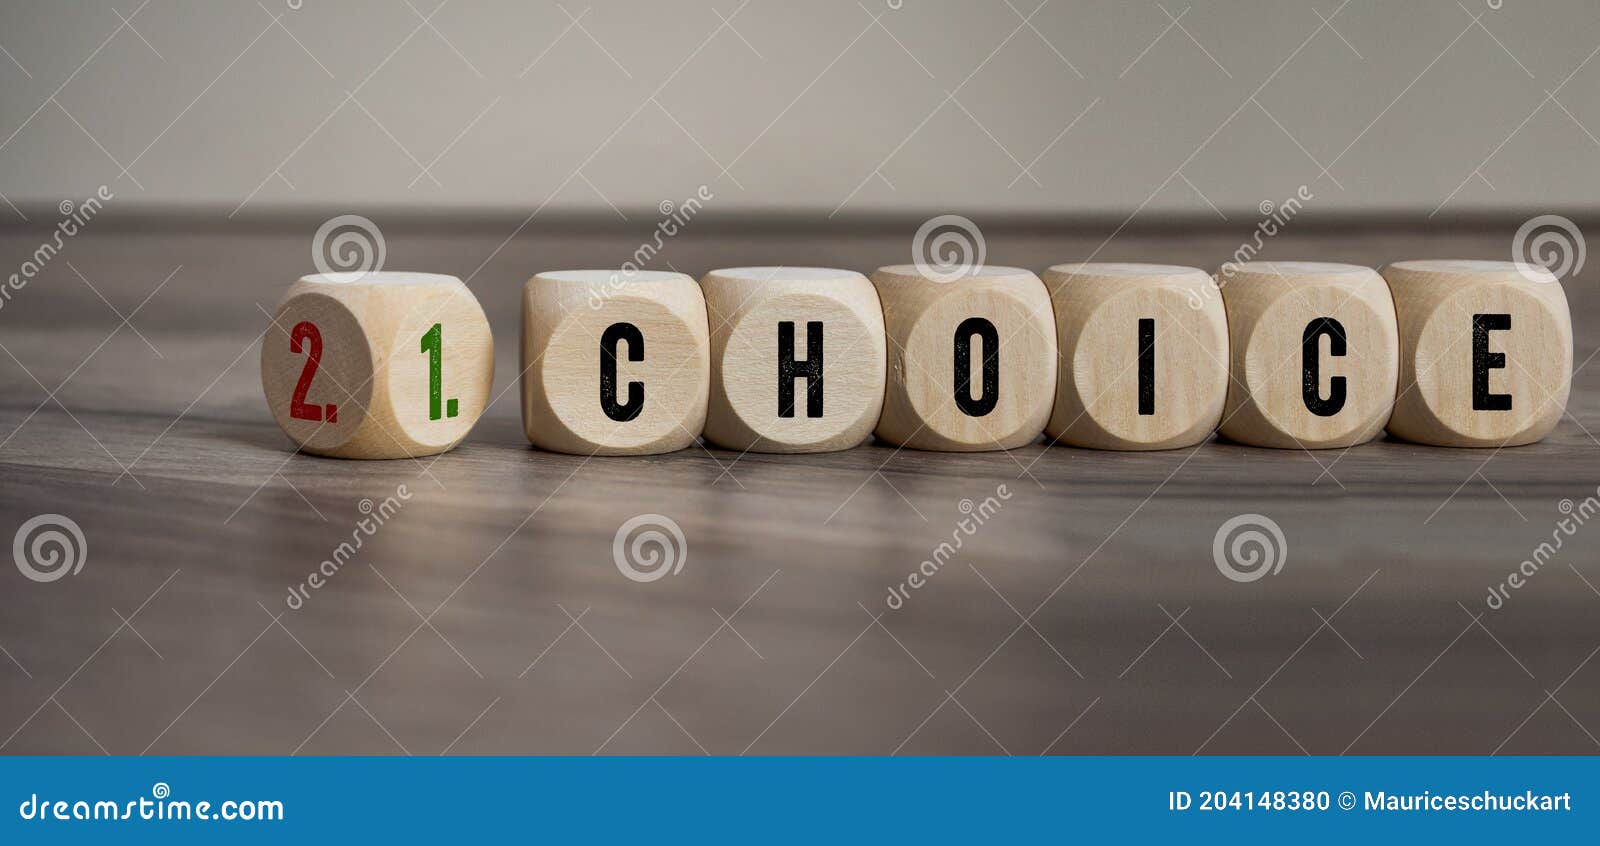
[972,361]
[377,365]
[1144,355]
[1315,354]
[797,358]
[1485,352]
[614,362]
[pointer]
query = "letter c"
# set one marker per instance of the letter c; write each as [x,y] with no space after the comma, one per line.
[1311,363]
[621,412]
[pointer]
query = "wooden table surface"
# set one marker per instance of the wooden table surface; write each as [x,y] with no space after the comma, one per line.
[488,615]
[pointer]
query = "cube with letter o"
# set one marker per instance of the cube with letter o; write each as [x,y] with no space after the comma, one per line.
[972,358]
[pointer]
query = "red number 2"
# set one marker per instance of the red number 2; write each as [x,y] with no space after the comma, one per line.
[305,333]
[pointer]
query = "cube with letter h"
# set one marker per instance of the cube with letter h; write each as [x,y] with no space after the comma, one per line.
[797,358]
[614,362]
[1485,352]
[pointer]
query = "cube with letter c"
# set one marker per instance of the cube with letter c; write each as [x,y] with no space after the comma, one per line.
[1315,354]
[614,362]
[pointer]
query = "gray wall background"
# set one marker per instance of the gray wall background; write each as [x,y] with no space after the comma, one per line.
[809,107]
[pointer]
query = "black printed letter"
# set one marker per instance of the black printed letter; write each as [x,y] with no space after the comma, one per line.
[615,333]
[789,369]
[1147,365]
[991,366]
[1311,361]
[1483,361]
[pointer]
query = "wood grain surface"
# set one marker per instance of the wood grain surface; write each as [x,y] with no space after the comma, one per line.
[1081,611]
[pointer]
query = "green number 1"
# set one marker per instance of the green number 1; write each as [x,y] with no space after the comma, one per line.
[433,345]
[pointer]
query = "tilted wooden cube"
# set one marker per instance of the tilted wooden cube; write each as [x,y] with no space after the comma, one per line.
[1315,354]
[797,358]
[614,362]
[377,364]
[972,361]
[1144,355]
[1485,352]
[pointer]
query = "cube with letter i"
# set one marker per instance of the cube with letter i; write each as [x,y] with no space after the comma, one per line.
[1144,355]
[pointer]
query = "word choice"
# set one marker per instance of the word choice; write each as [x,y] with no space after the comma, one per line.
[792,359]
